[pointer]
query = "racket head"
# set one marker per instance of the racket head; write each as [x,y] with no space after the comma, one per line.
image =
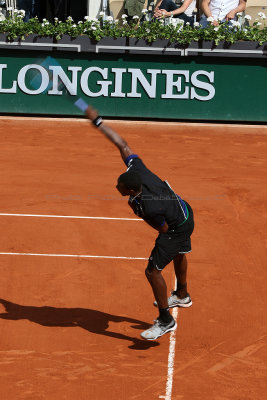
[36,81]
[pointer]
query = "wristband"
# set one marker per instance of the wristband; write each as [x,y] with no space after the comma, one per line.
[97,122]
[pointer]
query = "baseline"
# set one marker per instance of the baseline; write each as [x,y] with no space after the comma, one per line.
[71,255]
[68,216]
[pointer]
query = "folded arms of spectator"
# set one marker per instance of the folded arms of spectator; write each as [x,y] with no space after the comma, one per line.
[161,13]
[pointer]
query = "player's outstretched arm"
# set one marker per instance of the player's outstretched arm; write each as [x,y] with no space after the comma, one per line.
[113,136]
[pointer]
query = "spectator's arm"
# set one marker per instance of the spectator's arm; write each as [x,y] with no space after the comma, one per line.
[180,10]
[241,7]
[205,8]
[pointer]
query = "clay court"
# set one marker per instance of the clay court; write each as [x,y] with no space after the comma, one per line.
[71,318]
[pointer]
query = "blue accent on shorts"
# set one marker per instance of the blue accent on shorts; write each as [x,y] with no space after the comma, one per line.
[129,158]
[183,205]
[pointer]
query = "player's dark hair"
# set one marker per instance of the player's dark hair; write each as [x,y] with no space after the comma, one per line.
[131,180]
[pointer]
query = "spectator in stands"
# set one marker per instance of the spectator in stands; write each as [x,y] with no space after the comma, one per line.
[60,9]
[168,8]
[28,7]
[2,13]
[220,10]
[133,7]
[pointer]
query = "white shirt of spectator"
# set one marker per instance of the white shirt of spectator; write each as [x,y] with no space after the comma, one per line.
[220,8]
[190,9]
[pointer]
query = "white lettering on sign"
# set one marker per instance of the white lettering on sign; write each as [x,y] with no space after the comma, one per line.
[202,85]
[22,78]
[13,89]
[96,82]
[150,88]
[118,82]
[103,84]
[59,73]
[171,84]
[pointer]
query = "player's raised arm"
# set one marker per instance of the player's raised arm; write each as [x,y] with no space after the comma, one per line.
[113,136]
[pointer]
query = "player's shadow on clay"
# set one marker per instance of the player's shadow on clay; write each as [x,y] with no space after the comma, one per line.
[91,320]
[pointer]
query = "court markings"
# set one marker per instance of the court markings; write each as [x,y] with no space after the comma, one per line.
[72,256]
[171,354]
[69,216]
[171,358]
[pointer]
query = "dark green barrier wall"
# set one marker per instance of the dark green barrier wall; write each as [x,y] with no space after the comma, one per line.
[205,88]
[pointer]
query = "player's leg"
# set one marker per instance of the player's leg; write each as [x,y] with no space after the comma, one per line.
[158,285]
[165,321]
[176,244]
[180,268]
[180,297]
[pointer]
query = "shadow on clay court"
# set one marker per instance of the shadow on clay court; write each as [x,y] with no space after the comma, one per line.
[91,320]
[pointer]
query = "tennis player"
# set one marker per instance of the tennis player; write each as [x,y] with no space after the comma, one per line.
[154,201]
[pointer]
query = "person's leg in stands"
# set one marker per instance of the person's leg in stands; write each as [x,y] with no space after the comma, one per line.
[26,5]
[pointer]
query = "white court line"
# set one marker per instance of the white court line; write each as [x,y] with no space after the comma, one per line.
[168,394]
[68,216]
[71,255]
[171,356]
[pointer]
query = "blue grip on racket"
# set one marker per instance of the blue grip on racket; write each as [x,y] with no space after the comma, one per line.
[81,104]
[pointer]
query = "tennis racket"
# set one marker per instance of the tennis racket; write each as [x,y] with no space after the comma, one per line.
[64,87]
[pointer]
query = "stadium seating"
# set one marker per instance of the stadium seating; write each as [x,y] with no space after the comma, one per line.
[257,3]
[253,8]
[116,8]
[11,3]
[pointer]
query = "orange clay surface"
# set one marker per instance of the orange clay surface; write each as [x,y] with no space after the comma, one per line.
[70,327]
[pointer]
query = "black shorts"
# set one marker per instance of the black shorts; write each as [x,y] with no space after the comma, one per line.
[173,242]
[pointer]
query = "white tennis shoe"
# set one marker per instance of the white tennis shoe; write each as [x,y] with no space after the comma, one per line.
[175,301]
[158,329]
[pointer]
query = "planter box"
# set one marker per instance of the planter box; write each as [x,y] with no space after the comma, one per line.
[159,47]
[83,44]
[31,42]
[111,45]
[242,49]
[80,44]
